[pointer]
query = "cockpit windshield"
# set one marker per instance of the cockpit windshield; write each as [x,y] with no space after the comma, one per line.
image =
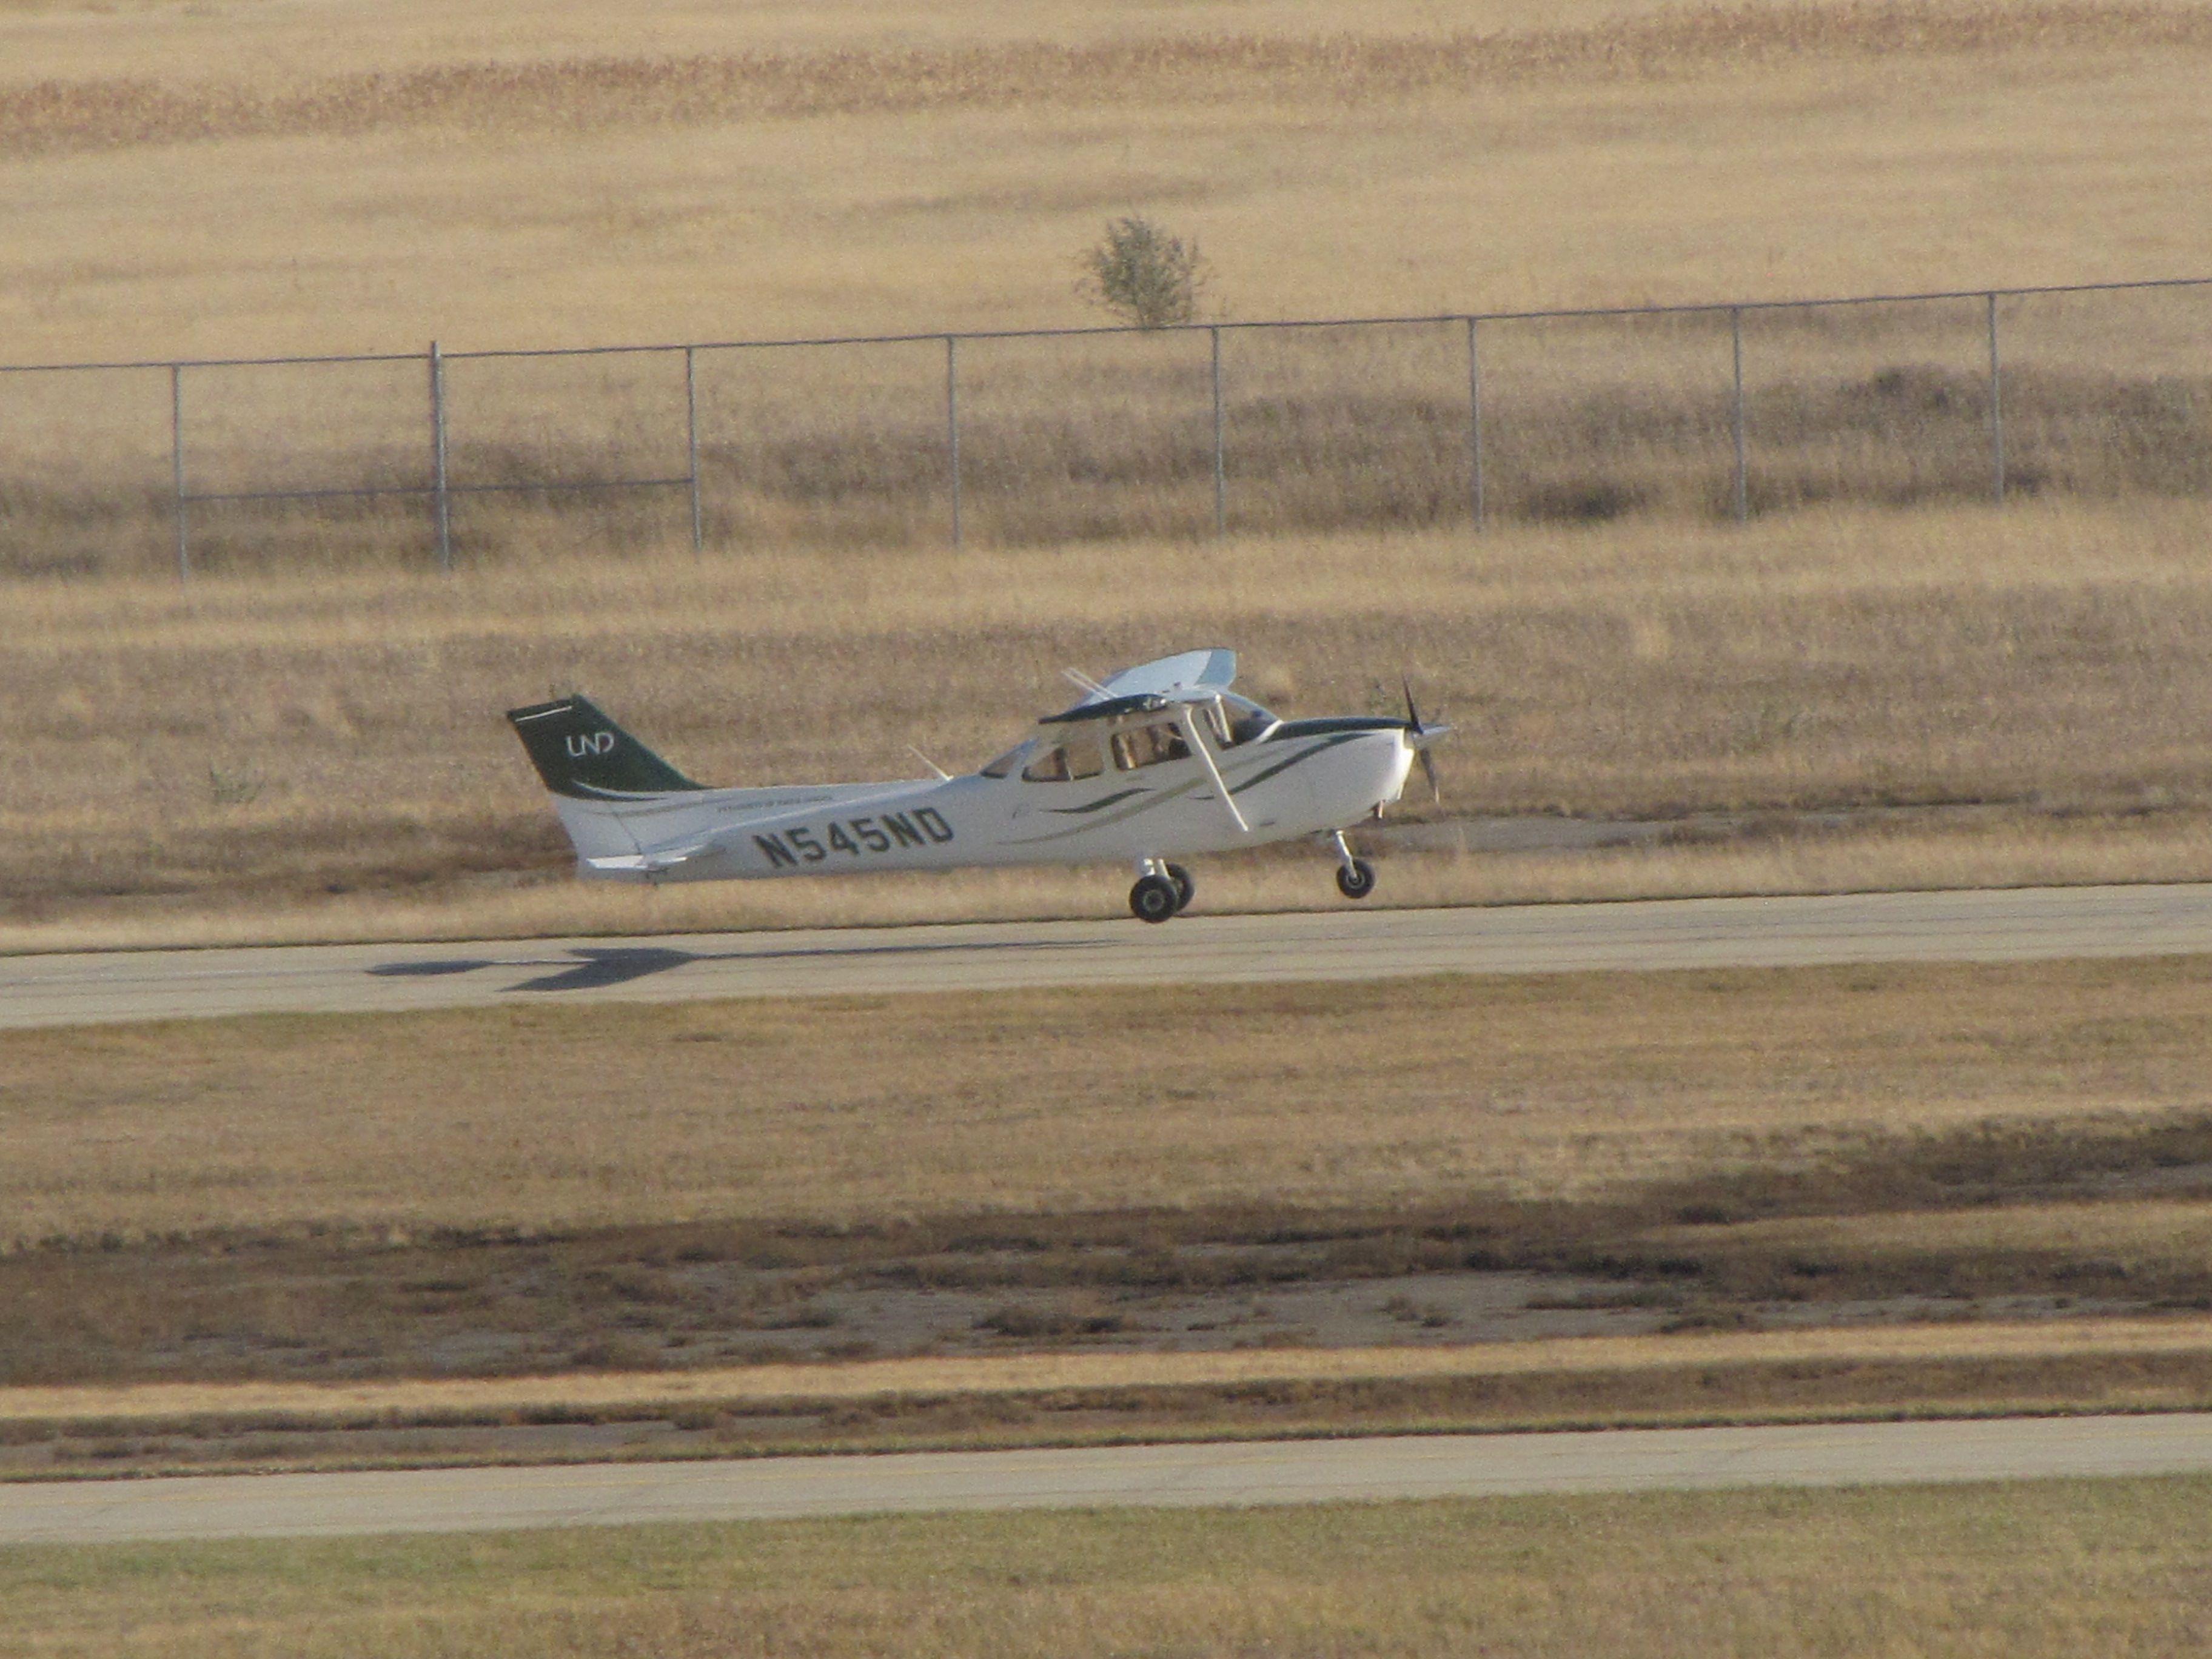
[1246,720]
[1004,766]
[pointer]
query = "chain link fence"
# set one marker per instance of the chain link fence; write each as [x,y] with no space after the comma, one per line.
[1725,411]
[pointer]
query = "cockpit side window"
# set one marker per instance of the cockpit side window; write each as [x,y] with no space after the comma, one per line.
[1148,746]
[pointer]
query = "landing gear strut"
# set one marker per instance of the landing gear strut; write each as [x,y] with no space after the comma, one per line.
[1161,891]
[1355,877]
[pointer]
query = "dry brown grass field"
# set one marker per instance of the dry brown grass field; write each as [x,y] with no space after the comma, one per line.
[323,755]
[1394,1097]
[1860,1373]
[253,177]
[766,1388]
[2055,1569]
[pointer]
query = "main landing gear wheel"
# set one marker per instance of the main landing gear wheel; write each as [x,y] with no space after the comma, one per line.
[1184,886]
[1154,898]
[1355,880]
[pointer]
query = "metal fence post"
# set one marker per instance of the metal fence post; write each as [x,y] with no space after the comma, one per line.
[437,457]
[177,468]
[1474,423]
[953,424]
[1997,406]
[691,436]
[1743,466]
[1220,451]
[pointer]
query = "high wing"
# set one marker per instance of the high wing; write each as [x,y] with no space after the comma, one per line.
[1200,671]
[1188,676]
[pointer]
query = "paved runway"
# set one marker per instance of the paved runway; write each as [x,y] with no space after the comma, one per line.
[1266,1472]
[1998,925]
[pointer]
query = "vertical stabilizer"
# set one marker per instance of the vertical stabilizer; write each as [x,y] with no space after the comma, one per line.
[584,756]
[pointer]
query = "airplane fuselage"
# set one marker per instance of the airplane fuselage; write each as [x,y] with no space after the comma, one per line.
[1300,778]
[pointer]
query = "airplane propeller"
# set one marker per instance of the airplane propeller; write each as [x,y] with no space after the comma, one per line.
[1419,732]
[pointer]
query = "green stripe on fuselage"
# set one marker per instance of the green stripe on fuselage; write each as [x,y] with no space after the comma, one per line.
[1285,766]
[1162,797]
[1102,802]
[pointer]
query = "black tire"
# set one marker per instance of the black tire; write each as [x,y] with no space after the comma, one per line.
[1154,899]
[1355,880]
[1184,886]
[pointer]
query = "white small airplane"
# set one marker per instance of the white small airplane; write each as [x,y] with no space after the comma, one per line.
[1156,762]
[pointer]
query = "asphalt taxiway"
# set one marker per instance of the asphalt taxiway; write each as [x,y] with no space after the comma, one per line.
[1178,1476]
[1986,925]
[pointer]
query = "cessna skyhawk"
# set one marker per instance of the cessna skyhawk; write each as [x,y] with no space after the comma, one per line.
[1156,762]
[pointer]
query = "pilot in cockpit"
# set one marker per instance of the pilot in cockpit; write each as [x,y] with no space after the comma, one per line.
[1148,746]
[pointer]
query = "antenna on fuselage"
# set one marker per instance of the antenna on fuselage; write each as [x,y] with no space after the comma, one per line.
[930,763]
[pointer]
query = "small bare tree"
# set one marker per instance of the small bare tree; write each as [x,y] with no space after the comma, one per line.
[1144,276]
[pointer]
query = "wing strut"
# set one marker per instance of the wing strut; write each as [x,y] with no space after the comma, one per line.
[1188,721]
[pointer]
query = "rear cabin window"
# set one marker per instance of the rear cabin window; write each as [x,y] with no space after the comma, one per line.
[1078,759]
[1148,746]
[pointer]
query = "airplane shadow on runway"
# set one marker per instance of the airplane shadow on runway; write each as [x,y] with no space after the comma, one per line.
[592,968]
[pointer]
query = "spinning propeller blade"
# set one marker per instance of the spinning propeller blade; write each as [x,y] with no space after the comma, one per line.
[1421,749]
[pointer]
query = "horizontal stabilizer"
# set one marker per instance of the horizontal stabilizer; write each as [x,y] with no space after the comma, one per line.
[649,864]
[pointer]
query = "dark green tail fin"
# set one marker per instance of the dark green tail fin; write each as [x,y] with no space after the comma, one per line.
[579,752]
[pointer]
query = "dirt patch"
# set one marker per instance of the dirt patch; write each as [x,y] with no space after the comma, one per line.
[1936,1226]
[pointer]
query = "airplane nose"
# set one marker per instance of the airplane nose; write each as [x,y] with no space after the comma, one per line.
[1403,753]
[1420,738]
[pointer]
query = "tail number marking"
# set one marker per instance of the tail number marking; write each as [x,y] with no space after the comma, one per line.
[854,837]
[582,743]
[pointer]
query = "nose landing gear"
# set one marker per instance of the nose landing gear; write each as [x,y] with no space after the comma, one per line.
[1163,890]
[1355,877]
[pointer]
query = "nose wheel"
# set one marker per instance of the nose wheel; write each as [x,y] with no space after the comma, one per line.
[1355,877]
[1161,891]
